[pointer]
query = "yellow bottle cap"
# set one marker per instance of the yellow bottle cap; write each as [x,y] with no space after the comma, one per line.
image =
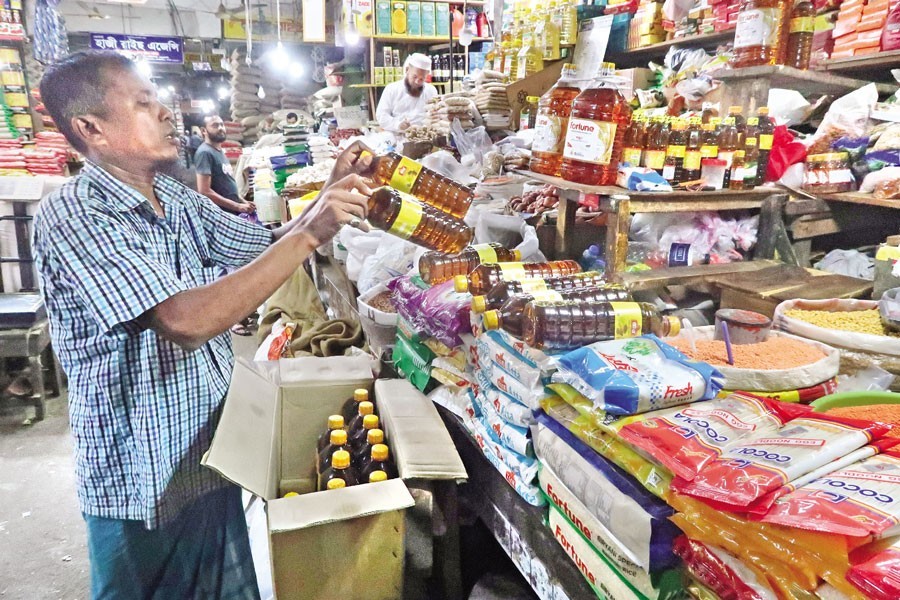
[340,459]
[370,422]
[290,495]
[532,99]
[335,422]
[517,255]
[361,395]
[335,484]
[380,452]
[461,284]
[479,304]
[376,476]
[674,326]
[735,110]
[763,110]
[375,436]
[338,437]
[739,154]
[366,408]
[492,319]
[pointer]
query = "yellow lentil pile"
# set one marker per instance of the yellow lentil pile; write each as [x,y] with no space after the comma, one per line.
[857,321]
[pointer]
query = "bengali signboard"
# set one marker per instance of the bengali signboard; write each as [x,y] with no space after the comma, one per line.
[150,48]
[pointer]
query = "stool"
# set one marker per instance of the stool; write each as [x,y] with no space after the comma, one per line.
[33,343]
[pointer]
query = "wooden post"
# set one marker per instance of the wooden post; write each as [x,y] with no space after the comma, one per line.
[565,223]
[617,228]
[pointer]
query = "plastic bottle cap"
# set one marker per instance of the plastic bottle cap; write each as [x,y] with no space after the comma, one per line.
[335,484]
[366,408]
[740,154]
[735,110]
[461,284]
[338,437]
[674,326]
[340,459]
[290,495]
[492,319]
[375,436]
[532,99]
[517,255]
[376,476]
[370,422]
[479,304]
[380,452]
[361,395]
[335,422]
[763,110]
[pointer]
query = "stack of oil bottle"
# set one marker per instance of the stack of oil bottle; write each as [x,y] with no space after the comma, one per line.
[352,449]
[582,134]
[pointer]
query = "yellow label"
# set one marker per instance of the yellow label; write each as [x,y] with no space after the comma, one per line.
[590,141]
[512,271]
[654,159]
[632,156]
[709,151]
[692,160]
[486,253]
[752,121]
[765,141]
[546,295]
[407,220]
[750,141]
[533,285]
[676,151]
[405,175]
[803,25]
[628,319]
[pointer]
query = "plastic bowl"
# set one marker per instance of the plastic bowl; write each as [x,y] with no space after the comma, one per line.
[889,309]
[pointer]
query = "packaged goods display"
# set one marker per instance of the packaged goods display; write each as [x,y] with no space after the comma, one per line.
[504,290]
[552,123]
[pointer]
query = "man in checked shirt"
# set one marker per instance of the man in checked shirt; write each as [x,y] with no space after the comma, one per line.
[129,261]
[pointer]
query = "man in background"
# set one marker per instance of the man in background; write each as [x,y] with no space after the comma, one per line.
[403,102]
[215,177]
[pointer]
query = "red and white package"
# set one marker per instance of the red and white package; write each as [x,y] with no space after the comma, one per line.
[876,569]
[686,438]
[721,572]
[750,470]
[860,500]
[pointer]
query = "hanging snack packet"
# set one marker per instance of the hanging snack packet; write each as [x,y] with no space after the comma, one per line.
[750,470]
[636,375]
[860,500]
[876,570]
[685,439]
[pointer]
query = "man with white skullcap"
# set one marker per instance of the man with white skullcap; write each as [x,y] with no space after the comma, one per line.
[403,102]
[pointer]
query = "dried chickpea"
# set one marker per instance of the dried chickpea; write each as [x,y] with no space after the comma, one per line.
[858,321]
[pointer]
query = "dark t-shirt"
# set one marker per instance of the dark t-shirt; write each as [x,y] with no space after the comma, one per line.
[212,162]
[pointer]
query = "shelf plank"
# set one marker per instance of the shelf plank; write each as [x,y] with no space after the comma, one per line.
[424,40]
[659,278]
[812,82]
[875,66]
[381,85]
[638,57]
[865,199]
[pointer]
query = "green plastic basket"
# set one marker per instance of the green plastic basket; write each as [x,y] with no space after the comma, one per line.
[854,399]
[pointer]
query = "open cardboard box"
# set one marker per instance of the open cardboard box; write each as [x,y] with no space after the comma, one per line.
[346,543]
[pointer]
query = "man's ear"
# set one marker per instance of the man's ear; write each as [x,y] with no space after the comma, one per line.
[89,129]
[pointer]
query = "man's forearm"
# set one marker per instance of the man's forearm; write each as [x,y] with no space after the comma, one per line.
[193,317]
[222,201]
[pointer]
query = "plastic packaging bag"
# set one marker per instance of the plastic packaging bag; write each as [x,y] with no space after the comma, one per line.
[439,310]
[636,375]
[510,231]
[851,263]
[529,376]
[393,258]
[721,572]
[847,116]
[509,409]
[876,570]
[511,436]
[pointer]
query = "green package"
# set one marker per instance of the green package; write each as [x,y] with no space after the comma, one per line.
[442,20]
[383,17]
[428,19]
[414,19]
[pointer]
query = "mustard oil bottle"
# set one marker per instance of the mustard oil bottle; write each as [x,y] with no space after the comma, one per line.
[437,267]
[693,155]
[485,276]
[736,180]
[503,291]
[633,145]
[403,216]
[673,170]
[428,186]
[657,142]
[766,138]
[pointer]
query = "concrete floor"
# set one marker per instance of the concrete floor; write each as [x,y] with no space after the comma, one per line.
[43,553]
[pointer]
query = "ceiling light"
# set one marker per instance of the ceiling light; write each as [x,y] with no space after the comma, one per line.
[295,70]
[223,92]
[144,68]
[164,94]
[261,93]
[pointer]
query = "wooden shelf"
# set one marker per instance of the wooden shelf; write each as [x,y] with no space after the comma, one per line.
[638,57]
[424,40]
[381,85]
[864,199]
[810,82]
[658,278]
[872,66]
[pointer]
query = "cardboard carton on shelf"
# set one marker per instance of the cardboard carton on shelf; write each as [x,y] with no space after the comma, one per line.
[327,544]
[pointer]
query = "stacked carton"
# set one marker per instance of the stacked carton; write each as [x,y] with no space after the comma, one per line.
[647,26]
[725,14]
[859,27]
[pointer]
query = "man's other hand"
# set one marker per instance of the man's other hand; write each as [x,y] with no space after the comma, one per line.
[343,202]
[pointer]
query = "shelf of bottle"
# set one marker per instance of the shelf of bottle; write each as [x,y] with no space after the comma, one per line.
[381,85]
[872,66]
[424,40]
[810,82]
[638,57]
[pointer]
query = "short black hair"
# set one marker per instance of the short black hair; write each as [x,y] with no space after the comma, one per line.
[292,114]
[77,86]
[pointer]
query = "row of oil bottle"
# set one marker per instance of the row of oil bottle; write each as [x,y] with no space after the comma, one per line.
[550,305]
[583,133]
[351,450]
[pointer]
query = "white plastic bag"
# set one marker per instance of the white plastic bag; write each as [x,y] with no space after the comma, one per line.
[393,258]
[847,116]
[851,263]
[360,245]
[511,231]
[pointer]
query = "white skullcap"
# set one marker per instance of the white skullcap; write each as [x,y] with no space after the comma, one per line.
[418,61]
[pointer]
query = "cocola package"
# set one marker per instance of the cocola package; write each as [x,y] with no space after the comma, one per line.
[721,572]
[439,310]
[876,570]
[687,438]
[636,375]
[761,465]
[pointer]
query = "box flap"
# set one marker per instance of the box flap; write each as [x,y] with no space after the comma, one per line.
[246,446]
[319,508]
[308,371]
[418,438]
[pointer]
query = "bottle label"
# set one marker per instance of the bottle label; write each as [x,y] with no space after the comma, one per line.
[765,141]
[486,253]
[692,160]
[407,220]
[680,255]
[590,141]
[654,159]
[405,175]
[676,151]
[546,296]
[757,27]
[750,141]
[632,156]
[709,151]
[628,319]
[533,285]
[750,172]
[727,156]
[802,25]
[548,134]
[668,172]
[512,271]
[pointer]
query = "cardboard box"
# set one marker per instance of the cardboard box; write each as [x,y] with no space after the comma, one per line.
[414,18]
[870,23]
[635,79]
[441,19]
[364,24]
[383,17]
[398,18]
[378,76]
[428,19]
[266,442]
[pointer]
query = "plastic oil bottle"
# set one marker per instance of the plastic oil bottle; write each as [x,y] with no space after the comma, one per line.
[337,441]
[362,454]
[673,169]
[736,178]
[567,325]
[693,155]
[531,55]
[751,154]
[509,316]
[554,109]
[379,460]
[335,422]
[633,144]
[556,16]
[760,35]
[709,141]
[600,117]
[340,474]
[729,143]
[430,187]
[766,138]
[351,406]
[657,141]
[485,276]
[569,32]
[505,290]
[403,216]
[549,35]
[437,267]
[515,45]
[357,439]
[800,35]
[356,423]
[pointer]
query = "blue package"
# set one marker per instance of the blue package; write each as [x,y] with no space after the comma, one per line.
[636,375]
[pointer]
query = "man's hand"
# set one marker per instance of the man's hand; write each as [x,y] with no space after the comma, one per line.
[247,208]
[355,160]
[404,125]
[343,202]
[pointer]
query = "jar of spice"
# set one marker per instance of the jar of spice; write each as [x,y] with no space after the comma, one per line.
[828,173]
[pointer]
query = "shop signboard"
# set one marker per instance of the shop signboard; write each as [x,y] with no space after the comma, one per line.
[155,49]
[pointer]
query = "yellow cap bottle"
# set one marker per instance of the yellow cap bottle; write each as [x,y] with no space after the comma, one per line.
[380,452]
[492,319]
[461,284]
[366,408]
[338,437]
[370,422]
[335,484]
[335,422]
[479,304]
[376,476]
[361,395]
[290,495]
[375,436]
[341,460]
